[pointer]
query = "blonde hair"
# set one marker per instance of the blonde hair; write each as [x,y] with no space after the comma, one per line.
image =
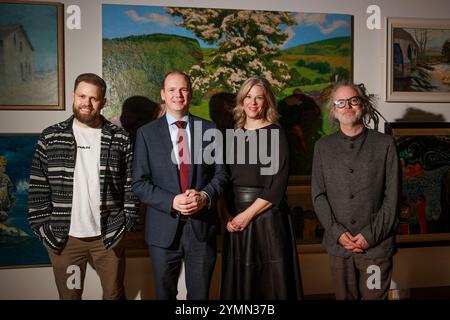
[270,109]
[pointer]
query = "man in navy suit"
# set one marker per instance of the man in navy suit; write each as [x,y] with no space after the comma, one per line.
[181,223]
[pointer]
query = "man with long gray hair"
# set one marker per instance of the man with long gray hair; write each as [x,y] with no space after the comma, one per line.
[355,190]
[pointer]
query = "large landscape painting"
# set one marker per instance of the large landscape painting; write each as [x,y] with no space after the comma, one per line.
[301,54]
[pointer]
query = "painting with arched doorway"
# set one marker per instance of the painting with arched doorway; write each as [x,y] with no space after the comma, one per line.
[418,66]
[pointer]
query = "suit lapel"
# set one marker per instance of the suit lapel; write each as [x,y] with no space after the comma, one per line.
[165,136]
[195,150]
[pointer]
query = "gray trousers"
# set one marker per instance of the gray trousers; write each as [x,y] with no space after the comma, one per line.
[358,278]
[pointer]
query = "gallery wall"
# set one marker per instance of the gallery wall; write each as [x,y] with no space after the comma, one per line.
[414,267]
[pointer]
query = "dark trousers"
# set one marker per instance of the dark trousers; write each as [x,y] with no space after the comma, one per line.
[360,278]
[69,268]
[199,260]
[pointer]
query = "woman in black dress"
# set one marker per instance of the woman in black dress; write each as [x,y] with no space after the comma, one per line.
[259,258]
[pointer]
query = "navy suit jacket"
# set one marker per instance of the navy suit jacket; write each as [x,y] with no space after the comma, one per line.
[156,182]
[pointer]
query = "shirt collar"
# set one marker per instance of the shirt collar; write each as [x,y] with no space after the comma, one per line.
[359,135]
[171,120]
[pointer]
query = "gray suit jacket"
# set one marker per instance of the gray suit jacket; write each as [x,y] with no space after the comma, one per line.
[355,188]
[156,182]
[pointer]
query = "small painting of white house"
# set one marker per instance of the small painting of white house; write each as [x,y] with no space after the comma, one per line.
[16,55]
[28,54]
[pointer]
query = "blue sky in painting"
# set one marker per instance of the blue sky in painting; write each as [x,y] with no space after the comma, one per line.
[40,23]
[124,20]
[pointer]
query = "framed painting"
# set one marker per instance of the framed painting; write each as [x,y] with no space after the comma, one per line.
[31,55]
[424,152]
[307,227]
[418,60]
[301,54]
[19,247]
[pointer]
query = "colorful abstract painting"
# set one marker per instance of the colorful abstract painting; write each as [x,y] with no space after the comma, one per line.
[424,152]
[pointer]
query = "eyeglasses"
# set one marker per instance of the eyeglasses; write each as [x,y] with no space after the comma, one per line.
[352,101]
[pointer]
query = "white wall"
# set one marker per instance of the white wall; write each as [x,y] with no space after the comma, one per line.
[418,267]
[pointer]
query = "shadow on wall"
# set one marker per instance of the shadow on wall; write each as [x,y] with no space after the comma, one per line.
[417,115]
[137,111]
[221,107]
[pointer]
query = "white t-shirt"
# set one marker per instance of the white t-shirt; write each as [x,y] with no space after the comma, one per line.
[85,219]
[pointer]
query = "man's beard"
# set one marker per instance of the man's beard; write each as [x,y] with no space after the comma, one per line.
[90,119]
[356,118]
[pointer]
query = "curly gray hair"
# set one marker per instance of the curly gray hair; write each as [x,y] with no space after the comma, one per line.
[368,103]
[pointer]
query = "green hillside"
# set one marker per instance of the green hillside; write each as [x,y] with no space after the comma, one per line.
[318,63]
[136,65]
[334,46]
[336,52]
[189,43]
[315,67]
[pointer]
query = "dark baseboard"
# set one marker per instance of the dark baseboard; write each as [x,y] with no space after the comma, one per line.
[428,293]
[431,293]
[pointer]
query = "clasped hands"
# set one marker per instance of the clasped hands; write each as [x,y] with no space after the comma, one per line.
[189,202]
[239,222]
[356,244]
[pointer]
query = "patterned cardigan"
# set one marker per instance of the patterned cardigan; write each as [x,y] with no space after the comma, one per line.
[51,184]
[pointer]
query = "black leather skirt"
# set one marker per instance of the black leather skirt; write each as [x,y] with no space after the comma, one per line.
[261,261]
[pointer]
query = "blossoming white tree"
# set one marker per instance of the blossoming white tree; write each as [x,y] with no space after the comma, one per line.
[248,43]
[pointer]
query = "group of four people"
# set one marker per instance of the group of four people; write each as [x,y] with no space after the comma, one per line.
[86,183]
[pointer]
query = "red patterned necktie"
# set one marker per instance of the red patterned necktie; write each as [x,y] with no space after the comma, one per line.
[183,155]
